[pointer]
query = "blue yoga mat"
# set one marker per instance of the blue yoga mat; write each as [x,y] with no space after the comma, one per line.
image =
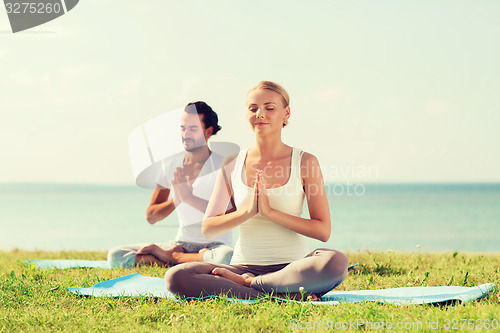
[139,285]
[69,263]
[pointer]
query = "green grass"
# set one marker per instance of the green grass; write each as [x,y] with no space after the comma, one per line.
[33,299]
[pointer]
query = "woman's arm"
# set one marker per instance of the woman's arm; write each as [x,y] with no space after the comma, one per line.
[217,219]
[319,224]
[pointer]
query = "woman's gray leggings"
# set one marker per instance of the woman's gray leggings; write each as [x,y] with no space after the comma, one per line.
[318,272]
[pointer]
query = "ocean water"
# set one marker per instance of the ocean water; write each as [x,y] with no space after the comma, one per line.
[438,217]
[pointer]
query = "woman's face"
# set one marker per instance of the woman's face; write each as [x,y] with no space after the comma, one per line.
[266,111]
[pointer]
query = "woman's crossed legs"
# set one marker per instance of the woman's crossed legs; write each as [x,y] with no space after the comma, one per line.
[318,272]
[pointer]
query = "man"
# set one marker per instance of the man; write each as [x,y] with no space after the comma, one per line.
[190,177]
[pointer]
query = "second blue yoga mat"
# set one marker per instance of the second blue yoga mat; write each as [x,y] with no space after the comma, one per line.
[139,285]
[69,263]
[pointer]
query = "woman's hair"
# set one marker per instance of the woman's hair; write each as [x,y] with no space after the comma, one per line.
[210,118]
[269,85]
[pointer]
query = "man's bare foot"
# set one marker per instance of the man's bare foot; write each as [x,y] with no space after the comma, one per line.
[148,249]
[168,254]
[176,248]
[155,249]
[196,256]
[152,254]
[243,279]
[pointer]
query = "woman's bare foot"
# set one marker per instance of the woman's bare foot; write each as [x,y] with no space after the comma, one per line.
[243,279]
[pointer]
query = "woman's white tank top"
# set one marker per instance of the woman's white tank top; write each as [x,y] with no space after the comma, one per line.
[261,241]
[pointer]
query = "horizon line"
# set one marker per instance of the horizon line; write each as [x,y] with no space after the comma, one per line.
[496,182]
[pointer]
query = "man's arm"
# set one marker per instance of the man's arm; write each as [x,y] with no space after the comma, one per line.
[160,206]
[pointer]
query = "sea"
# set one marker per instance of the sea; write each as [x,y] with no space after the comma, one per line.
[377,217]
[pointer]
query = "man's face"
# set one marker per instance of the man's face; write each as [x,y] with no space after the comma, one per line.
[193,132]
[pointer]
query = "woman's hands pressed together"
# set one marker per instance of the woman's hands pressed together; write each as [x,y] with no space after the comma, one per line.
[260,200]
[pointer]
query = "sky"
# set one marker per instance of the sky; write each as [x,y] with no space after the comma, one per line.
[385,91]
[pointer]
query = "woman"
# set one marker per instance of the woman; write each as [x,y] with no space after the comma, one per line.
[268,183]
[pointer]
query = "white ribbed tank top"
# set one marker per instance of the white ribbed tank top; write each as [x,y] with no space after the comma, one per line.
[261,241]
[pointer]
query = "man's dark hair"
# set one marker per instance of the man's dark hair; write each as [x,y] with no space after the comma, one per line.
[210,118]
